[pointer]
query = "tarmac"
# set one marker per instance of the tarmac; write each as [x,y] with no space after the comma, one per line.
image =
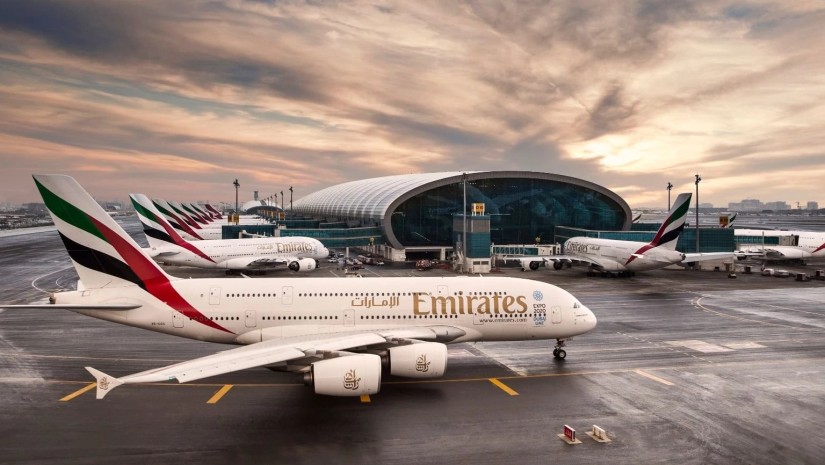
[687,367]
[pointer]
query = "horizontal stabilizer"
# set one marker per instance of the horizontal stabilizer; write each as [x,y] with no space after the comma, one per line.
[105,383]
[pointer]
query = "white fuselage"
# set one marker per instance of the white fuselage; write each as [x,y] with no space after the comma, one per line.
[214,230]
[810,244]
[238,253]
[251,310]
[616,255]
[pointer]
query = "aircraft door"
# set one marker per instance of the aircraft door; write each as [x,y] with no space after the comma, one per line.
[286,295]
[214,295]
[177,319]
[250,319]
[555,315]
[349,317]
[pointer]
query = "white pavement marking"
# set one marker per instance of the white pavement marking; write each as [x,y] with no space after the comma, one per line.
[700,346]
[743,345]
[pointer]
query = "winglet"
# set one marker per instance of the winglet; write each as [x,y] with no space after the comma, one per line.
[105,383]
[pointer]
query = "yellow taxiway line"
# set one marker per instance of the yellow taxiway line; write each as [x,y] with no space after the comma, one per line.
[503,387]
[78,392]
[221,392]
[654,378]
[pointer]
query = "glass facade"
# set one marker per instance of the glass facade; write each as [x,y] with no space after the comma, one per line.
[520,209]
[345,237]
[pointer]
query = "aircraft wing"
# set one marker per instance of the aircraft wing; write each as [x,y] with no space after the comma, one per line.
[265,262]
[75,307]
[270,352]
[585,259]
[700,257]
[259,262]
[774,252]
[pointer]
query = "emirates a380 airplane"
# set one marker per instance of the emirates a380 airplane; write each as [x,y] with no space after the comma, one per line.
[167,246]
[627,257]
[336,332]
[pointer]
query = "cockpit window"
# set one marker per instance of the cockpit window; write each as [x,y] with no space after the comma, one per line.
[576,305]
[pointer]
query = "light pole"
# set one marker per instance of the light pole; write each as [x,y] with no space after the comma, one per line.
[237,186]
[282,200]
[698,178]
[290,199]
[669,187]
[464,223]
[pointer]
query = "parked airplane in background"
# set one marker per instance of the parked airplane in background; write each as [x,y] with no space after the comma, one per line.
[809,244]
[165,245]
[617,256]
[333,331]
[184,227]
[193,228]
[214,211]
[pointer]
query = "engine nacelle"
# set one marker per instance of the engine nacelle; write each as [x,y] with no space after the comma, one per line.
[529,264]
[303,264]
[346,376]
[420,360]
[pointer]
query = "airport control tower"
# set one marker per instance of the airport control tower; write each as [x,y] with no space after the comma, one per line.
[476,257]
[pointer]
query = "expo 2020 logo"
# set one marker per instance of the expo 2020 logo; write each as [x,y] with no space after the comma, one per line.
[537,295]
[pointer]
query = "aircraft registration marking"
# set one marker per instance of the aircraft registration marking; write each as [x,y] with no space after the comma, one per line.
[221,392]
[654,378]
[78,392]
[503,387]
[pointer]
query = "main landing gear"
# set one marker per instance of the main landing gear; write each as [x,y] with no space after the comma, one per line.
[558,352]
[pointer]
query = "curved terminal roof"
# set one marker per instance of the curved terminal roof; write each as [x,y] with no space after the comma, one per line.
[368,198]
[375,199]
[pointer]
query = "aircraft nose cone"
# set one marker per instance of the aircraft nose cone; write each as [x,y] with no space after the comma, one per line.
[590,320]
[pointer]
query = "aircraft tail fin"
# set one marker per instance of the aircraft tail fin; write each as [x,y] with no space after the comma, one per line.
[207,218]
[105,383]
[103,253]
[668,234]
[155,225]
[174,219]
[215,213]
[158,229]
[187,218]
[192,213]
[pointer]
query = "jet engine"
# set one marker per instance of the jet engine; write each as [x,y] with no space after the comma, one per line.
[529,264]
[303,264]
[348,375]
[420,360]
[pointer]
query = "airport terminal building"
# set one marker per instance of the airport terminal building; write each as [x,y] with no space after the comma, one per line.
[417,212]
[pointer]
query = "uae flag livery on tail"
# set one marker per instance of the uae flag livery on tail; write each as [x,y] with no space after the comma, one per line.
[104,255]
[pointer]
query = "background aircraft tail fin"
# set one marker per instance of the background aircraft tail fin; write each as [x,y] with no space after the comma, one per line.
[174,219]
[158,231]
[668,234]
[155,225]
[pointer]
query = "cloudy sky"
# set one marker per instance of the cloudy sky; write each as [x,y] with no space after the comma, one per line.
[177,99]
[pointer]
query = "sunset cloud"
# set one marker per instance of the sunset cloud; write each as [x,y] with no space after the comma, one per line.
[180,99]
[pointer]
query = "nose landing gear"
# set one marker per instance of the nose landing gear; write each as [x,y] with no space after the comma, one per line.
[558,352]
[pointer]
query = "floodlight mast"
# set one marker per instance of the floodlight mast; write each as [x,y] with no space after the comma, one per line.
[698,178]
[237,186]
